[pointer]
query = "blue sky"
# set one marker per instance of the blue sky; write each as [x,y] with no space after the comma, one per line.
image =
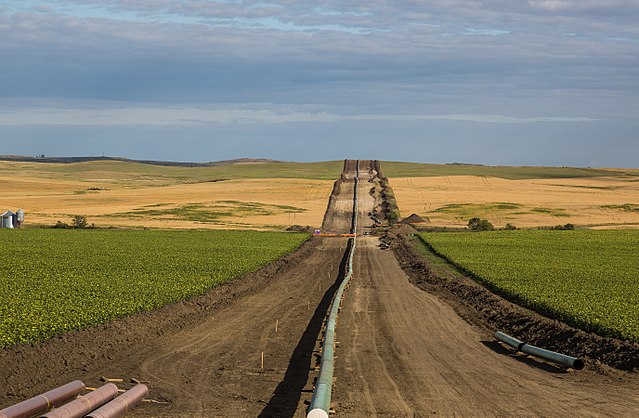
[539,82]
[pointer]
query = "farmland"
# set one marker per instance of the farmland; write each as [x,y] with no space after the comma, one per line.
[55,281]
[600,202]
[277,195]
[586,278]
[125,194]
[248,348]
[393,169]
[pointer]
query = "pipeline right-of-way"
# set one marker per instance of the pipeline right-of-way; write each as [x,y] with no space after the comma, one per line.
[321,401]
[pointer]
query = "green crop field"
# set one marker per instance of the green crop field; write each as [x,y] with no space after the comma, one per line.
[392,169]
[586,278]
[129,171]
[53,281]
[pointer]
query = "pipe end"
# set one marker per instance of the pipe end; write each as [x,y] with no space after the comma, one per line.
[578,364]
[317,413]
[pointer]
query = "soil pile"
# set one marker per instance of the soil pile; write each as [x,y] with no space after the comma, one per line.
[413,219]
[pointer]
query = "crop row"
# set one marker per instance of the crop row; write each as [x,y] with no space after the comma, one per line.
[53,281]
[589,279]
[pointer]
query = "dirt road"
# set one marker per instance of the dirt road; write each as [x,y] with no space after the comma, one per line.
[214,369]
[403,353]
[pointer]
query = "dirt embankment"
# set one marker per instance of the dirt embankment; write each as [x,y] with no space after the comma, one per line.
[388,206]
[483,308]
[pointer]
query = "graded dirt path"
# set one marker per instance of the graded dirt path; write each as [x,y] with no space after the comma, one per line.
[214,369]
[404,353]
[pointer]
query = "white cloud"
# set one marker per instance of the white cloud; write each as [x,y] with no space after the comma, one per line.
[485,32]
[185,115]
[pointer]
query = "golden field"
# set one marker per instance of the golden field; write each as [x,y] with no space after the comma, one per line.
[132,199]
[278,195]
[450,201]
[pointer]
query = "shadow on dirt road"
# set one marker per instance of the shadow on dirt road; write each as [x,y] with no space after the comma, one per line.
[285,399]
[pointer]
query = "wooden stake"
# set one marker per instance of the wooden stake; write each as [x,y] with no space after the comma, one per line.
[262,360]
[308,305]
[277,323]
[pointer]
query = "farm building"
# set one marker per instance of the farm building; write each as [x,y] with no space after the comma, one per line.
[12,220]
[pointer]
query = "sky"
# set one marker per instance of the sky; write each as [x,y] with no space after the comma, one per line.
[502,82]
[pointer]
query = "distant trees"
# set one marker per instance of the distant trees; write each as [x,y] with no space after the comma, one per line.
[567,227]
[477,224]
[79,222]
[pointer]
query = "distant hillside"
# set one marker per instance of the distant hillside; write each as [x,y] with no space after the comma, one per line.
[69,160]
[326,170]
[163,172]
[405,169]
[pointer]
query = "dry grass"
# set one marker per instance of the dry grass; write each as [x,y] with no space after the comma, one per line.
[140,195]
[148,201]
[450,201]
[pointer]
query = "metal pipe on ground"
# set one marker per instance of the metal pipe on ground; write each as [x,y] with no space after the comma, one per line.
[557,358]
[84,404]
[120,405]
[43,402]
[564,360]
[508,340]
[321,401]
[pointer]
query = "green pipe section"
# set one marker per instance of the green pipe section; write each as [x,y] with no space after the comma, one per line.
[564,360]
[321,401]
[508,340]
[557,358]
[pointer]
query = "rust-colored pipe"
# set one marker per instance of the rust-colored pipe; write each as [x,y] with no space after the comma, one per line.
[120,405]
[44,402]
[84,404]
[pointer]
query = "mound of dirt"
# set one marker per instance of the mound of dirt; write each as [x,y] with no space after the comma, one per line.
[299,228]
[483,308]
[404,229]
[413,219]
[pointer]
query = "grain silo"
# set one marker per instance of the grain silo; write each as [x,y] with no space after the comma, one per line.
[19,218]
[6,219]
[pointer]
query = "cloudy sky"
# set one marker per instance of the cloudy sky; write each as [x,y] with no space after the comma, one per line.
[539,82]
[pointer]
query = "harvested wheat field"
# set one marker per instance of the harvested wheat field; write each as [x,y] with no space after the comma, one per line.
[111,196]
[450,201]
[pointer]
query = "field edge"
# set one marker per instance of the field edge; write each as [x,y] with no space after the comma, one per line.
[491,312]
[64,357]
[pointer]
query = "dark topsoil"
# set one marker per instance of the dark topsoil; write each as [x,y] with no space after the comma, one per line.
[483,308]
[28,370]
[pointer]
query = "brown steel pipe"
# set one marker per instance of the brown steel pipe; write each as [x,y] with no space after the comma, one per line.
[120,405]
[84,404]
[44,402]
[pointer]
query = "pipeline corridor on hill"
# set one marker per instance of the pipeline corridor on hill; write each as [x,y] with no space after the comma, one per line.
[321,402]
